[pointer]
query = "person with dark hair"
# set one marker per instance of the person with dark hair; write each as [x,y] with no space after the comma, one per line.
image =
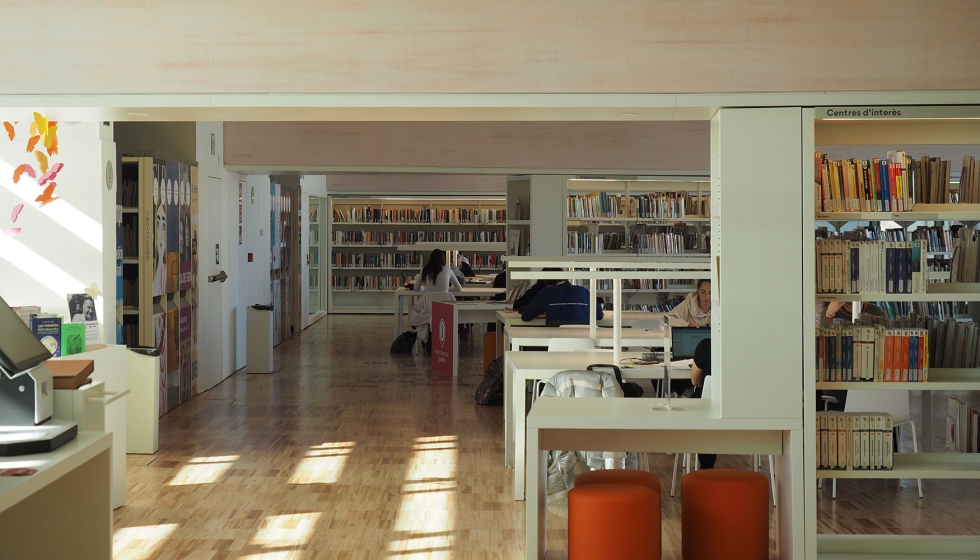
[695,310]
[81,308]
[436,276]
[562,303]
[701,368]
[534,290]
[464,267]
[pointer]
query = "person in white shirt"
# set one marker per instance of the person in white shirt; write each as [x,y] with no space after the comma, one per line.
[436,276]
[695,310]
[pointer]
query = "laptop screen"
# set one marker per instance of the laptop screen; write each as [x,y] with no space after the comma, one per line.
[684,340]
[19,348]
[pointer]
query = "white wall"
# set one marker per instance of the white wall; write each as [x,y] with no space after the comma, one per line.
[69,244]
[253,287]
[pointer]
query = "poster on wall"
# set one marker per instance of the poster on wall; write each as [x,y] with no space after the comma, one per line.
[443,331]
[160,336]
[194,265]
[173,358]
[159,228]
[184,199]
[184,381]
[273,256]
[173,226]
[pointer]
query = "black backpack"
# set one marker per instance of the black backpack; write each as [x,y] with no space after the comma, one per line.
[404,343]
[491,389]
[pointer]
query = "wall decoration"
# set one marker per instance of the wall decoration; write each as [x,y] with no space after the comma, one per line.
[159,228]
[184,199]
[160,335]
[173,226]
[42,142]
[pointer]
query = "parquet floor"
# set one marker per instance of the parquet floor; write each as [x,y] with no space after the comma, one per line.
[348,452]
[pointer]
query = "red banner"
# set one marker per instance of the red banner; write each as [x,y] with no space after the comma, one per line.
[443,328]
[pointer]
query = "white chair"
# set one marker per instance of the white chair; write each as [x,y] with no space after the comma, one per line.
[895,403]
[688,459]
[571,345]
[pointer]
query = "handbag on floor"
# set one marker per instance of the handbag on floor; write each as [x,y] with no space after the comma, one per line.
[491,389]
[630,389]
[404,343]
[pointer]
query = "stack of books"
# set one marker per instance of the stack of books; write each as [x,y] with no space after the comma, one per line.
[871,267]
[854,441]
[872,354]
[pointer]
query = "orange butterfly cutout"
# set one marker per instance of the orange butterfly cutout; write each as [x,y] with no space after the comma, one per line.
[24,168]
[46,197]
[10,129]
[52,146]
[42,160]
[31,143]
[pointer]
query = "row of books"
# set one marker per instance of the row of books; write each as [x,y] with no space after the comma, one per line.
[314,214]
[661,243]
[937,238]
[950,343]
[314,237]
[420,216]
[412,237]
[129,195]
[653,308]
[849,441]
[484,260]
[870,267]
[657,205]
[969,191]
[130,239]
[648,284]
[965,263]
[368,282]
[131,291]
[962,427]
[379,260]
[873,354]
[874,185]
[314,281]
[593,243]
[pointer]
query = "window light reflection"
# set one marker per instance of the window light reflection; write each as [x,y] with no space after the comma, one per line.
[203,470]
[144,539]
[428,506]
[323,463]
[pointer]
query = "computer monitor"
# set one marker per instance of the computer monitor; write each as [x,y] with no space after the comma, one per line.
[684,340]
[19,348]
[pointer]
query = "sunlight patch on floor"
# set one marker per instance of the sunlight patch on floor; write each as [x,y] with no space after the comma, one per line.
[323,463]
[428,506]
[203,470]
[143,538]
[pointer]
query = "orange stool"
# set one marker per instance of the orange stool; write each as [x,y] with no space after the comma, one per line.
[489,348]
[725,514]
[614,514]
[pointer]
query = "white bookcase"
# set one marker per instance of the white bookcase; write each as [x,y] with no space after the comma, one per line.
[949,125]
[315,243]
[377,244]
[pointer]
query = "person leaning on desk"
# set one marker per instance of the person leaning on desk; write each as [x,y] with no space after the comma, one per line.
[701,368]
[828,314]
[562,304]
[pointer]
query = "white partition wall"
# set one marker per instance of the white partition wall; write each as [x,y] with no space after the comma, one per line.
[756,291]
[547,214]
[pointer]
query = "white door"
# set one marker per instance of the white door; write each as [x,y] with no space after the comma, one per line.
[214,330]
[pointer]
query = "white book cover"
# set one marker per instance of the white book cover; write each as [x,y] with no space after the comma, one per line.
[856,441]
[843,461]
[865,441]
[832,439]
[824,440]
[879,439]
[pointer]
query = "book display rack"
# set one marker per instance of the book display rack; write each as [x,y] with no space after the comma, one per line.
[157,236]
[379,244]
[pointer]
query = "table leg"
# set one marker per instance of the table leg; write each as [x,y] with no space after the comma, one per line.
[399,313]
[926,421]
[536,516]
[520,421]
[509,404]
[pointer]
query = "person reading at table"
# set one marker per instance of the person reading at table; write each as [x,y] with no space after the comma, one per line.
[528,296]
[700,369]
[436,276]
[695,310]
[562,304]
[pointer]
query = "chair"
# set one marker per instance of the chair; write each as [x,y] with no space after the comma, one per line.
[614,514]
[725,514]
[895,403]
[421,315]
[706,394]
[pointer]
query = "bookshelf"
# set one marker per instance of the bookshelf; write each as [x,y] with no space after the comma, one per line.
[158,308]
[934,181]
[314,240]
[377,244]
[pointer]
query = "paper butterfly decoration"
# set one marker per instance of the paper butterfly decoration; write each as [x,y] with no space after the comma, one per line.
[46,197]
[93,290]
[10,130]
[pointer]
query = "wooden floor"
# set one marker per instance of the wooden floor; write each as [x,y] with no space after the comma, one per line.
[349,452]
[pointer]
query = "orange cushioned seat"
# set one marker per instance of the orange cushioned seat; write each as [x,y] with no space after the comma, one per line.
[725,514]
[614,514]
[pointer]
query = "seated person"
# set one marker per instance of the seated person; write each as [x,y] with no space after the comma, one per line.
[562,304]
[464,267]
[534,290]
[436,276]
[700,369]
[695,310]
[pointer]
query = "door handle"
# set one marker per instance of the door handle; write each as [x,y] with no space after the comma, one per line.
[219,277]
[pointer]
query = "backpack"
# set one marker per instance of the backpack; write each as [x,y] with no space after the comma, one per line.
[630,389]
[404,343]
[491,389]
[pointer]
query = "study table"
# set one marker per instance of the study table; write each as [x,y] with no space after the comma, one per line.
[464,312]
[62,510]
[633,425]
[478,290]
[517,337]
[521,366]
[508,318]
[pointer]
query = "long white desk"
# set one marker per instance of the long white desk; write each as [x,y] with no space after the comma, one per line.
[632,425]
[468,291]
[517,337]
[521,366]
[63,510]
[509,318]
[471,312]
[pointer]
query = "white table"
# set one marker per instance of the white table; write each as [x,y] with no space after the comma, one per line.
[517,337]
[632,425]
[521,366]
[471,312]
[509,318]
[63,510]
[468,291]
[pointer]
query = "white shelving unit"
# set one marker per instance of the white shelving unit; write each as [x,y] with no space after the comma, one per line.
[929,465]
[392,238]
[315,243]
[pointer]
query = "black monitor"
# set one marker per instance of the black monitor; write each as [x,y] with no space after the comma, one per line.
[684,340]
[19,348]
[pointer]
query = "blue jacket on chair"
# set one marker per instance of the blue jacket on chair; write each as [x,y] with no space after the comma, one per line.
[562,304]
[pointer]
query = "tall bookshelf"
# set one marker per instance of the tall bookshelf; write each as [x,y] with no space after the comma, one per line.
[941,125]
[314,241]
[377,244]
[281,266]
[620,217]
[158,231]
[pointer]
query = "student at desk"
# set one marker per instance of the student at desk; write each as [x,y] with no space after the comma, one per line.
[701,368]
[695,310]
[436,276]
[562,304]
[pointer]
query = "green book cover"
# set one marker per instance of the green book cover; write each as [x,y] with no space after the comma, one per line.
[72,338]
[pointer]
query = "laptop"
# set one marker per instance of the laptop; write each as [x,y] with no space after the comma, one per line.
[684,340]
